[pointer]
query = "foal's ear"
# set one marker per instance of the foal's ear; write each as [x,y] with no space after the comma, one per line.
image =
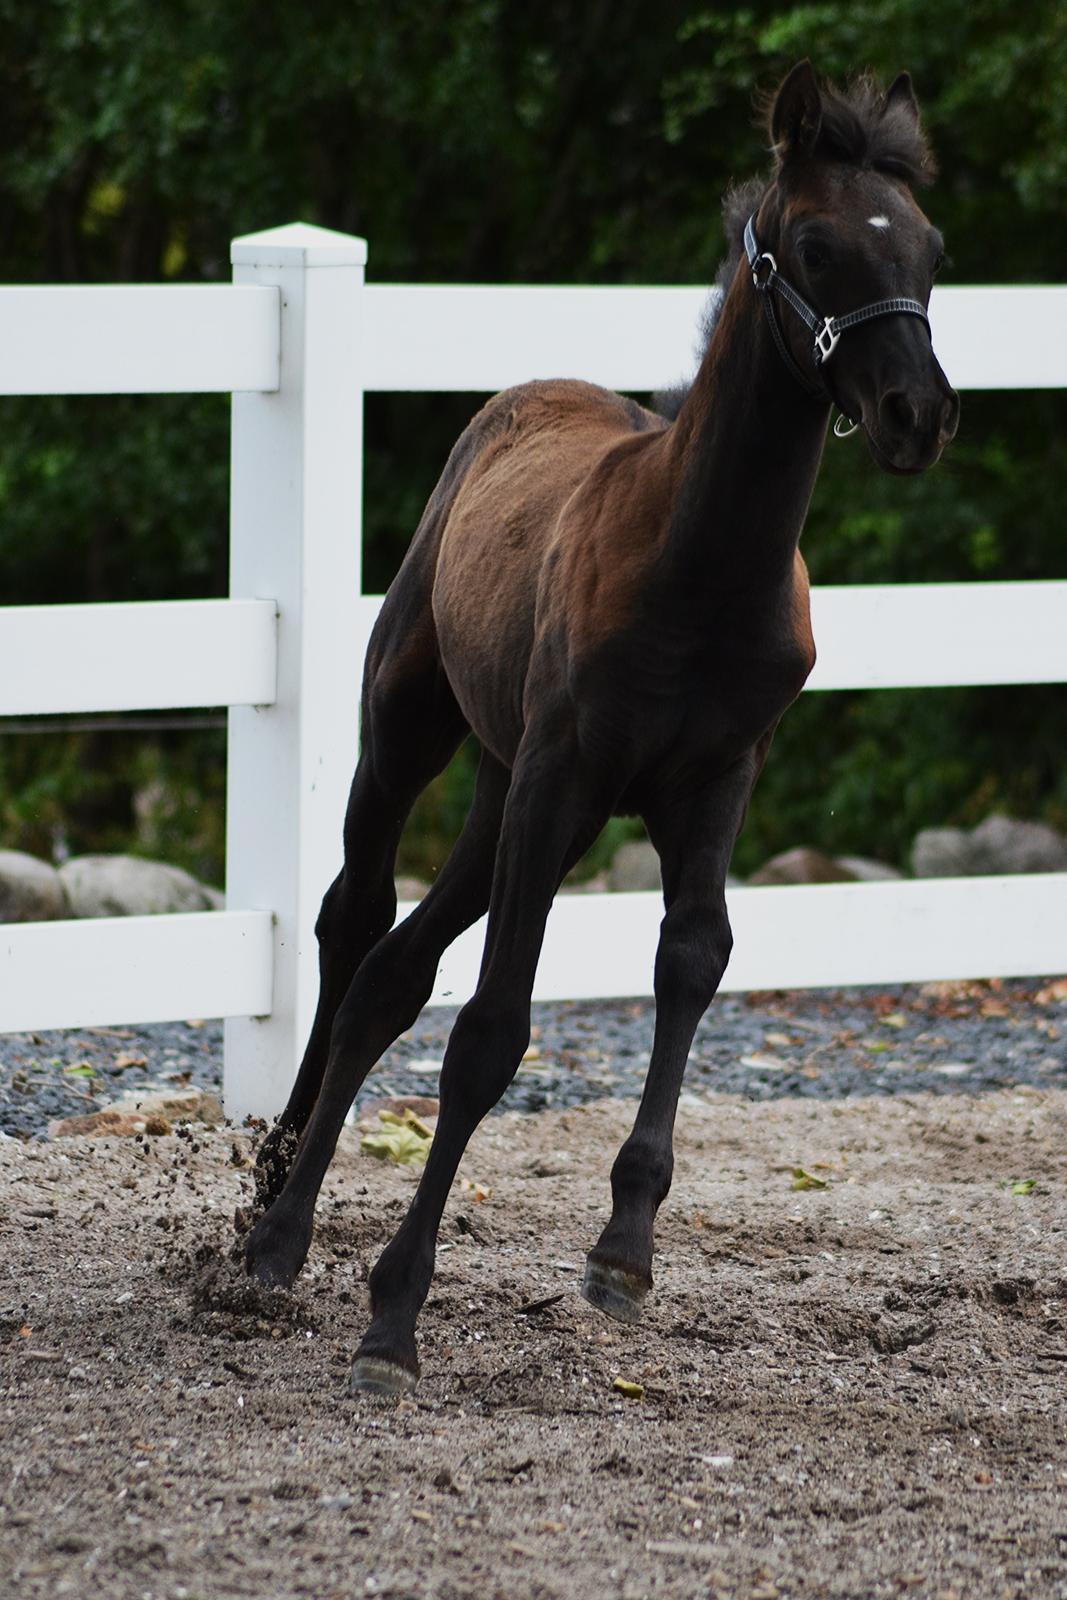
[797,114]
[900,96]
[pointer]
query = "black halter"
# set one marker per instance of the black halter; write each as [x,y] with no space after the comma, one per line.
[827,330]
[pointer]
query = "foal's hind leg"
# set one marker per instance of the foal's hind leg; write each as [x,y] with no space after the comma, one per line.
[388,991]
[411,727]
[548,821]
[694,837]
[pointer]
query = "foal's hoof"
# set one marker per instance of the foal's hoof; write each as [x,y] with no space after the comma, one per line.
[376,1375]
[274,1254]
[613,1290]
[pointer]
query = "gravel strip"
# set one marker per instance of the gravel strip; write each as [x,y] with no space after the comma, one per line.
[946,1038]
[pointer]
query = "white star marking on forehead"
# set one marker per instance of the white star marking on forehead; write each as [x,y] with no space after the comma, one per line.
[878,222]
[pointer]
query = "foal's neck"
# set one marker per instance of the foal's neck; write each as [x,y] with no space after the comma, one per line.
[745,454]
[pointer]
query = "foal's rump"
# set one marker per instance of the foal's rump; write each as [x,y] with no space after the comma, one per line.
[525,455]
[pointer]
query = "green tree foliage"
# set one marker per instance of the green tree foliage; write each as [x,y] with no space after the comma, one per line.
[480,140]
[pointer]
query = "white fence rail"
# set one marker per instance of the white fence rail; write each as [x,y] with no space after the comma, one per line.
[487,336]
[140,339]
[601,946]
[298,339]
[138,656]
[136,969]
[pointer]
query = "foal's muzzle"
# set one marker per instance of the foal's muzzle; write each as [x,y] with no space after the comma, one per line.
[912,423]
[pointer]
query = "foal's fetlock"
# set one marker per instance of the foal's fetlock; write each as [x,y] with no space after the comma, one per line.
[277,1248]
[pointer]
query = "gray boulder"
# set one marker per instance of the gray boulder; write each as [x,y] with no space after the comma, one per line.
[941,853]
[1000,844]
[124,886]
[30,890]
[636,866]
[866,870]
[801,865]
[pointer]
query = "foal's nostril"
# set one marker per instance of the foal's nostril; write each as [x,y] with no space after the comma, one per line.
[950,416]
[898,411]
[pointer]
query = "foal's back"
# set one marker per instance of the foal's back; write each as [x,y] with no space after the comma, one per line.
[537,515]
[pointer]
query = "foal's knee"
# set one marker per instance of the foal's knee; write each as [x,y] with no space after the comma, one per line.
[694,949]
[484,1050]
[352,915]
[327,918]
[391,985]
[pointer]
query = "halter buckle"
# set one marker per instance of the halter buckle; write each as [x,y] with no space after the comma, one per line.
[825,342]
[764,284]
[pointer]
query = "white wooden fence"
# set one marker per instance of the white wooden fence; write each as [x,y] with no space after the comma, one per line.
[297,338]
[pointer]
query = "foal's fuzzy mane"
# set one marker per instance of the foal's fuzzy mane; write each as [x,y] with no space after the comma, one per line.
[857,129]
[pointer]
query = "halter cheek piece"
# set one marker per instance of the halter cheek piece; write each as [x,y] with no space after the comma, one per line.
[827,330]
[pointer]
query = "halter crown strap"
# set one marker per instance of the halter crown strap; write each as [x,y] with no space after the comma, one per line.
[827,330]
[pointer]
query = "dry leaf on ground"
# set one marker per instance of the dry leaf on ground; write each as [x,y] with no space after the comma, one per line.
[404,1140]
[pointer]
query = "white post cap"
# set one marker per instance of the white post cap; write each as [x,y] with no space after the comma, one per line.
[298,244]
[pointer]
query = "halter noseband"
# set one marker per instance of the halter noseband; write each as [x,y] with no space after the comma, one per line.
[827,330]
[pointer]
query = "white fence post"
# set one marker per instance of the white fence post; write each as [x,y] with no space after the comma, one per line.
[295,534]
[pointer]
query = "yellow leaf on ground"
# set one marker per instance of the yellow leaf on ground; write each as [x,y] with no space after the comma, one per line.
[803,1179]
[404,1140]
[407,1119]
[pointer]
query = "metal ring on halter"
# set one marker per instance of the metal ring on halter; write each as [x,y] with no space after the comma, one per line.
[848,430]
[763,283]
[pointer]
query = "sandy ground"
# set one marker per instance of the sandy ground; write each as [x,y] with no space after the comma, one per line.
[852,1391]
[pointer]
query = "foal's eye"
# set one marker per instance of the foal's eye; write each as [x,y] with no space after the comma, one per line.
[812,257]
[939,263]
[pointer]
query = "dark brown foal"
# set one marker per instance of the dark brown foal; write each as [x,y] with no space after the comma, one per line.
[616,606]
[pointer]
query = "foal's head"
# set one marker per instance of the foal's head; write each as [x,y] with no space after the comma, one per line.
[845,230]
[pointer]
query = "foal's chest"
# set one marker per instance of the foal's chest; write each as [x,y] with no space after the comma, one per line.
[719,683]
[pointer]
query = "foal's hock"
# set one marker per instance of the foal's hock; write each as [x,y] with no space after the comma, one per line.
[616,606]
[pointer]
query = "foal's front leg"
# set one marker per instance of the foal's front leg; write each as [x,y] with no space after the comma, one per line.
[547,822]
[694,835]
[389,989]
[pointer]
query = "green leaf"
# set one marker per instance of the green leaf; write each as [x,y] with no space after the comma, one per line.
[803,1179]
